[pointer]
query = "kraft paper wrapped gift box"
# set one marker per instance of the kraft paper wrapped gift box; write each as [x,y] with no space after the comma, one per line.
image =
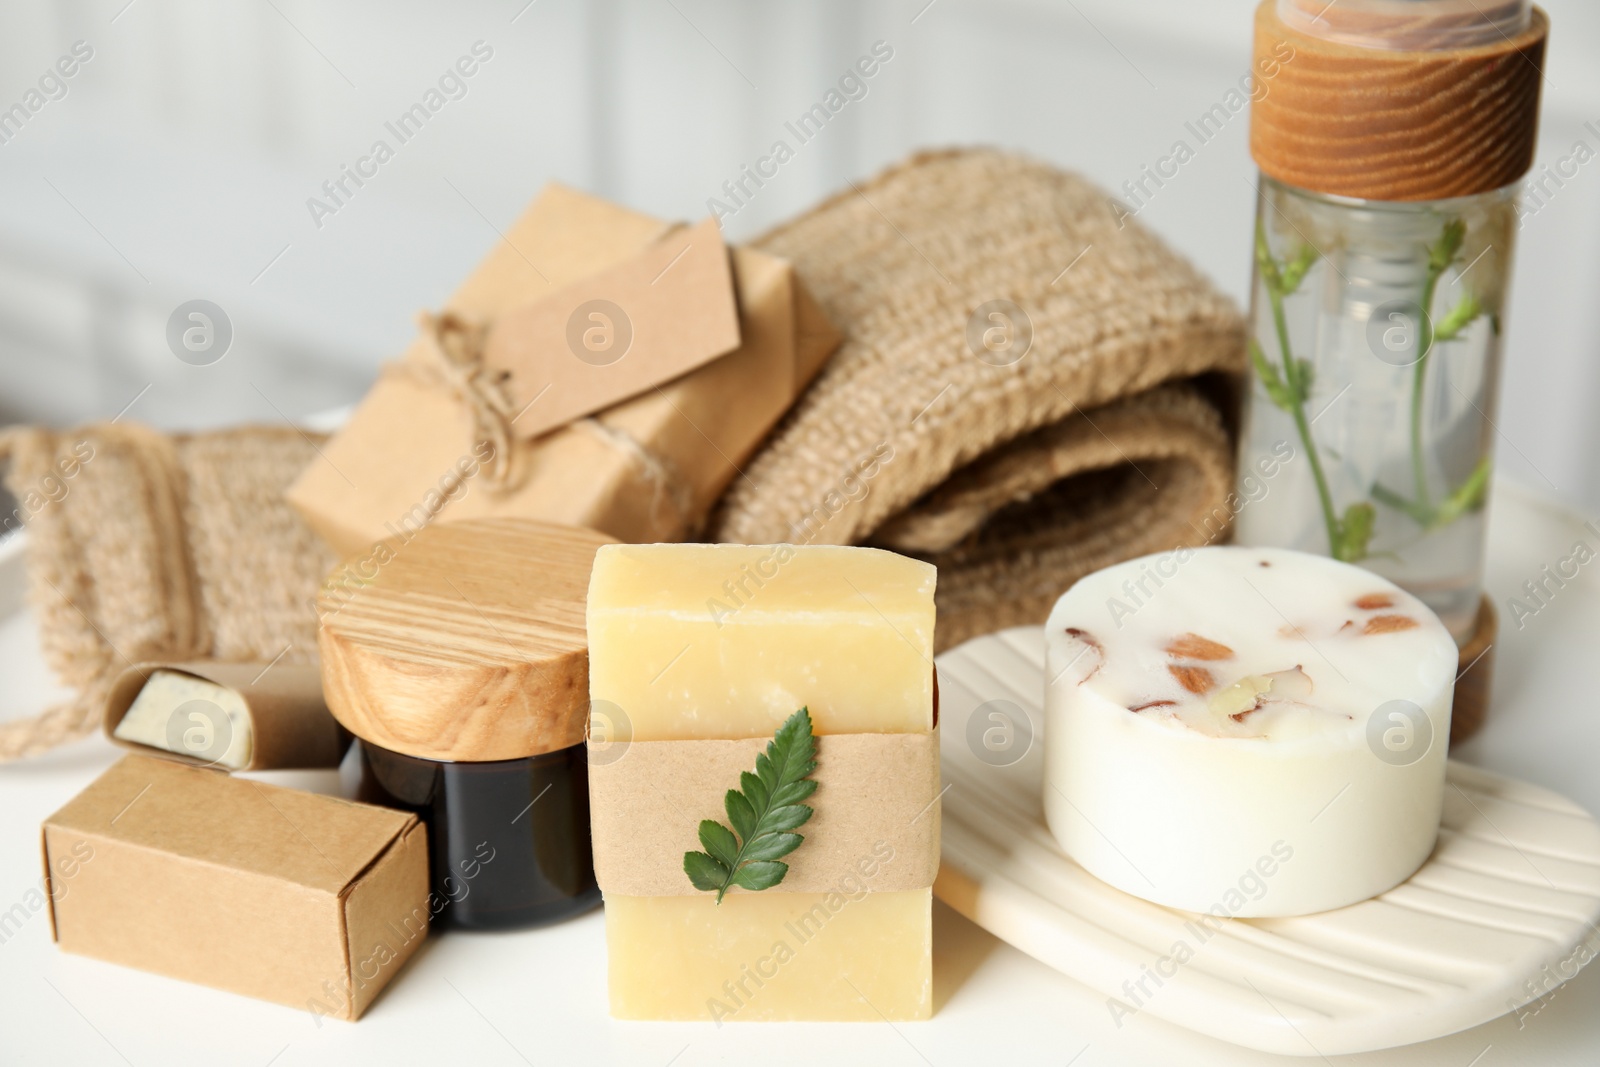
[496,409]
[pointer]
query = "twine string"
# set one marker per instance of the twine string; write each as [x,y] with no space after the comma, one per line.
[456,344]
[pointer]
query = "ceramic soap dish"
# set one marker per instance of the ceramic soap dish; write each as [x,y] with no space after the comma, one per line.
[1507,904]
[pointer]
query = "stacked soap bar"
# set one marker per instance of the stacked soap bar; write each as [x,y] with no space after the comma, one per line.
[693,642]
[1246,731]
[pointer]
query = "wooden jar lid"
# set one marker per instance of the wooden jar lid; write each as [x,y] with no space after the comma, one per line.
[1394,125]
[464,642]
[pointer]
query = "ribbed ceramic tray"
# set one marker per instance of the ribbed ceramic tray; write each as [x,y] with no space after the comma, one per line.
[1505,908]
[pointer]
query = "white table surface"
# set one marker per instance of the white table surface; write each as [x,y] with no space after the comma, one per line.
[538,997]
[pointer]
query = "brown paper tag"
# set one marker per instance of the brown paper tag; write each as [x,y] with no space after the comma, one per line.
[617,333]
[875,821]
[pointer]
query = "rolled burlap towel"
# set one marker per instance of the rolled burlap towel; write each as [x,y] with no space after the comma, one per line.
[1083,425]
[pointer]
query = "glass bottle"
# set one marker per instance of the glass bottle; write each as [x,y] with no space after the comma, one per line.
[1376,320]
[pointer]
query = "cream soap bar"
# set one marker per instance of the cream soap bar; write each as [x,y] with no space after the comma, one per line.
[1246,731]
[181,713]
[725,642]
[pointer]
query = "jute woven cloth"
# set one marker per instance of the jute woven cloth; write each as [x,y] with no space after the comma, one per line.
[1015,476]
[159,547]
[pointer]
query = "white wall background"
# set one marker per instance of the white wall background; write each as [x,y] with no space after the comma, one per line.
[179,163]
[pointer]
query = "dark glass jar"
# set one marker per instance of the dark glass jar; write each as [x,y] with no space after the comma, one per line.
[508,840]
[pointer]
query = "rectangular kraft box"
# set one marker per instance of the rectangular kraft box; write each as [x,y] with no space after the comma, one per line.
[303,899]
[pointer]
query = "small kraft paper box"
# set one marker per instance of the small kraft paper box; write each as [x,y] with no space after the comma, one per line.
[600,368]
[298,898]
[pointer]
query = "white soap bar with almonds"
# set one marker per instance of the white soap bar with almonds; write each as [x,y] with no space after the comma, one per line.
[1246,731]
[189,716]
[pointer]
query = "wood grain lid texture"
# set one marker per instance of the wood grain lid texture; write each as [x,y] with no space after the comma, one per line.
[462,641]
[1394,125]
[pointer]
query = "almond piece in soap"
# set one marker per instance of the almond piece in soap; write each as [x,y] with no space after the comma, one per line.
[1292,684]
[1375,602]
[1389,624]
[1249,693]
[1240,698]
[1196,680]
[1193,646]
[1092,654]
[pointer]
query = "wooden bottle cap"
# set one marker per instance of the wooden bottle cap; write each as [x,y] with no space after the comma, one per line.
[1394,125]
[465,641]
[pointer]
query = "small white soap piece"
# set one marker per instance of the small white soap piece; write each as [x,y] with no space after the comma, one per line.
[1246,731]
[179,713]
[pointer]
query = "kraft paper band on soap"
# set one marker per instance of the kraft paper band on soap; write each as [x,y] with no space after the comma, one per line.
[290,724]
[873,790]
